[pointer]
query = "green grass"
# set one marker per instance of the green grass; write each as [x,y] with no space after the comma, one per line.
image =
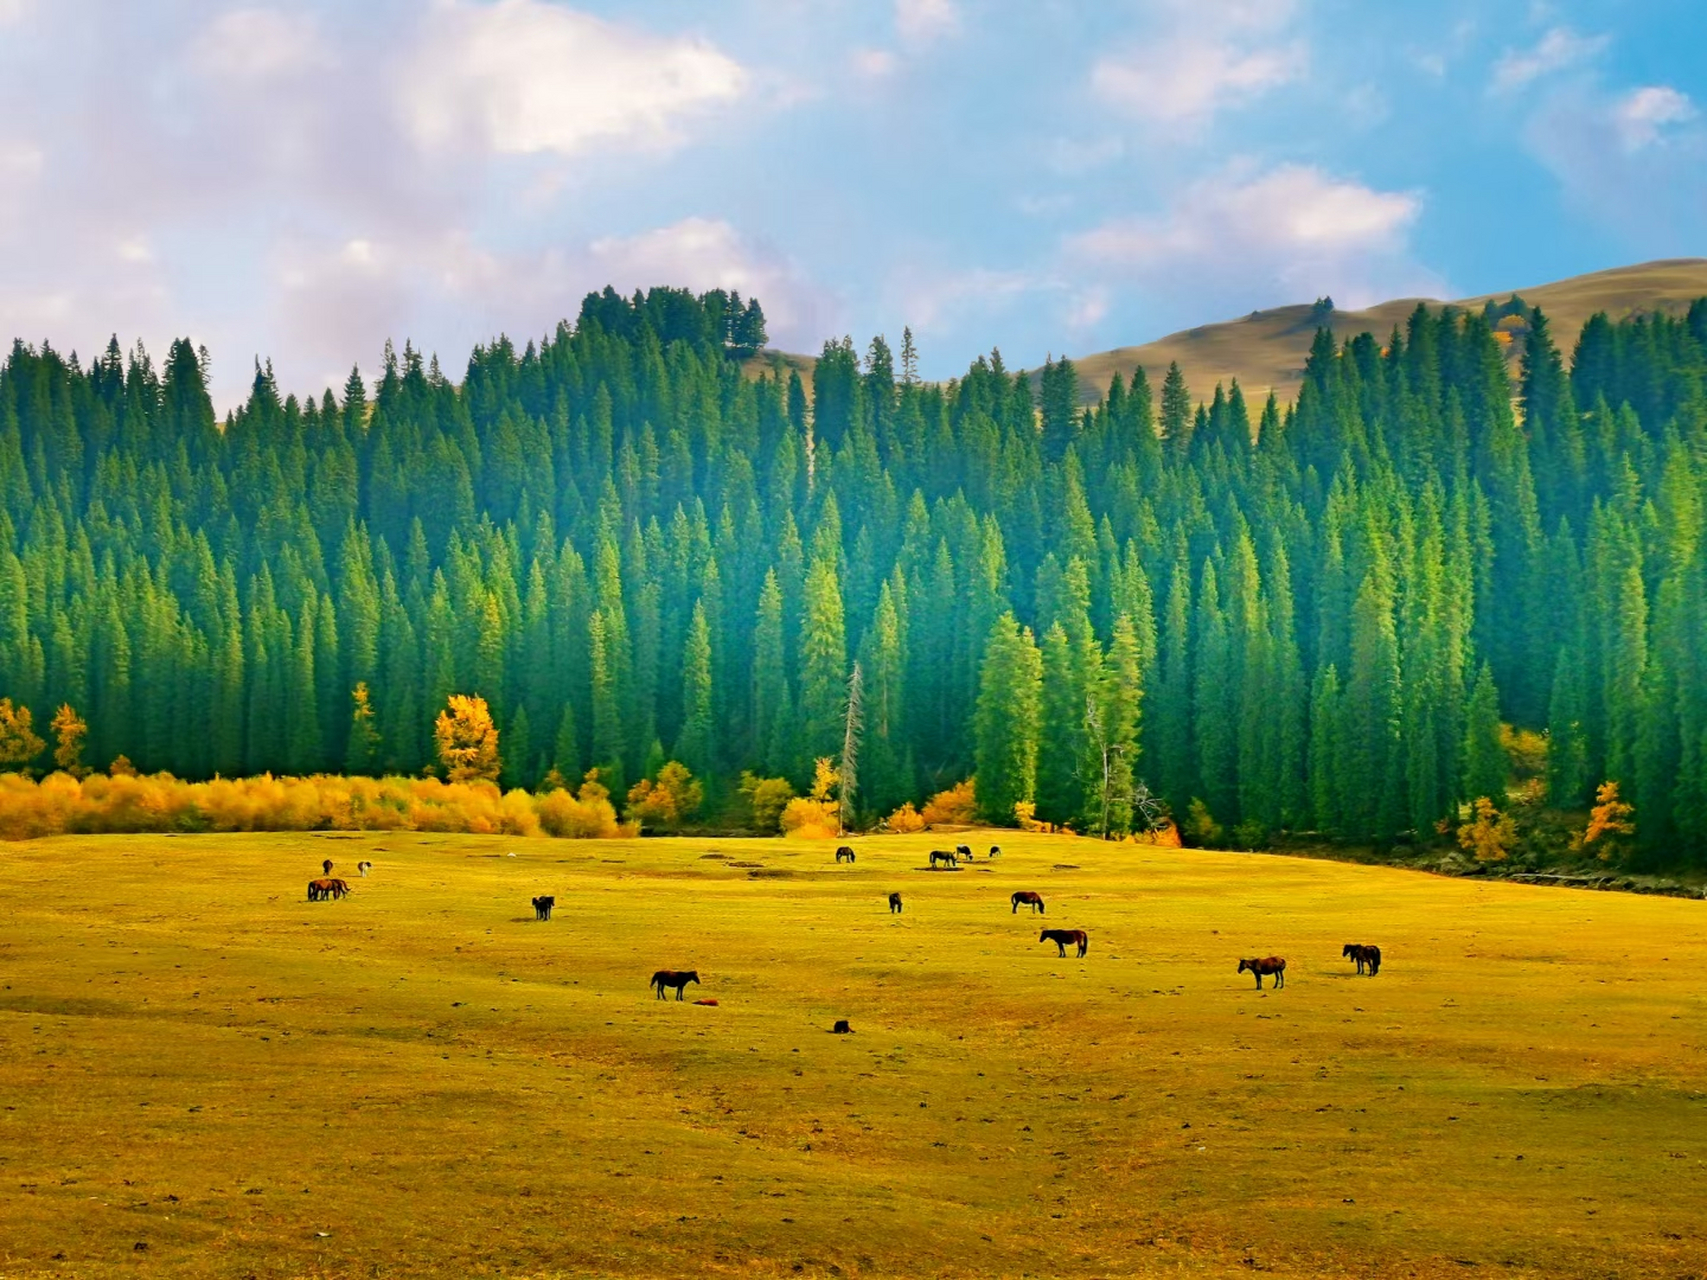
[194,1058]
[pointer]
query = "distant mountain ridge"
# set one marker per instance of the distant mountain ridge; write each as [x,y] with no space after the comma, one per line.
[1265,350]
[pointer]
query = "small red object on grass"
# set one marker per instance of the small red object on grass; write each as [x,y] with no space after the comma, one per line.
[707,1000]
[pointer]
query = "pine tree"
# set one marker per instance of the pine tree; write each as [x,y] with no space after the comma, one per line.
[1485,762]
[1008,720]
[695,748]
[823,660]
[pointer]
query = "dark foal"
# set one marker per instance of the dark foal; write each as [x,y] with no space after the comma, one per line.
[672,978]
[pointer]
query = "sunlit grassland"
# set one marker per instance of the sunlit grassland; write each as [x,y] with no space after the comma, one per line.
[422,1080]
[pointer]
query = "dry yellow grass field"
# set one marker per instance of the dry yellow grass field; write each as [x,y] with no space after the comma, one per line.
[205,1075]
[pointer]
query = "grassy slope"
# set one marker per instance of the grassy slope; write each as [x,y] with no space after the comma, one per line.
[193,1057]
[1266,349]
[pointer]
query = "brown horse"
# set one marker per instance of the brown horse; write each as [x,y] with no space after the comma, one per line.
[1267,965]
[1030,899]
[326,867]
[321,890]
[844,854]
[1061,937]
[338,888]
[1363,954]
[673,978]
[894,904]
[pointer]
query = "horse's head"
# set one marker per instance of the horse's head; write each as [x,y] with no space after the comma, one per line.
[1247,964]
[1348,948]
[1044,936]
[692,975]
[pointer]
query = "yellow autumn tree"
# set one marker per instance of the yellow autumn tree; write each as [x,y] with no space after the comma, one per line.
[813,816]
[956,807]
[665,800]
[69,730]
[905,820]
[767,797]
[467,739]
[1609,822]
[19,743]
[1489,834]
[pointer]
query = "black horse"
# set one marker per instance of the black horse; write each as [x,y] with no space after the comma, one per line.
[963,851]
[1061,937]
[673,978]
[944,856]
[894,904]
[844,854]
[1364,954]
[542,906]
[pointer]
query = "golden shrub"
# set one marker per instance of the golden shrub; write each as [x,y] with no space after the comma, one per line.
[906,820]
[956,807]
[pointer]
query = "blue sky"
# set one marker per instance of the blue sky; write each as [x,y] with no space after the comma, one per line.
[303,180]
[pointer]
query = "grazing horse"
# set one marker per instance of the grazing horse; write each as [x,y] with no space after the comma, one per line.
[1267,965]
[337,888]
[945,857]
[995,851]
[542,906]
[1061,937]
[895,904]
[321,890]
[1032,900]
[326,867]
[844,854]
[963,851]
[1364,955]
[841,1028]
[671,978]
[364,867]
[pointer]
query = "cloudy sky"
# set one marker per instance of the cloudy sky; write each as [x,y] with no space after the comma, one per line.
[301,180]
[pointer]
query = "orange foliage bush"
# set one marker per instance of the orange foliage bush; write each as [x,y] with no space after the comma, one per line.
[958,806]
[905,820]
[61,804]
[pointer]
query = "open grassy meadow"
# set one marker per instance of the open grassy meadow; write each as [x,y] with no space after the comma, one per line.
[205,1075]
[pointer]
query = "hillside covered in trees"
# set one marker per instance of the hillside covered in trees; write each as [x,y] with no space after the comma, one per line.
[1308,620]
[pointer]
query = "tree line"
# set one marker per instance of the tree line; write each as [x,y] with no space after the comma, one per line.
[1307,617]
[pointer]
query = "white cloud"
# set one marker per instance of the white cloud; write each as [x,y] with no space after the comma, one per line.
[14,10]
[873,64]
[1558,50]
[1293,226]
[259,44]
[1634,163]
[1217,56]
[932,299]
[700,254]
[919,22]
[1641,116]
[20,162]
[523,77]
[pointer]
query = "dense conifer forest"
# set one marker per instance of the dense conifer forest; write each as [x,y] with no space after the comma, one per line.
[1307,618]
